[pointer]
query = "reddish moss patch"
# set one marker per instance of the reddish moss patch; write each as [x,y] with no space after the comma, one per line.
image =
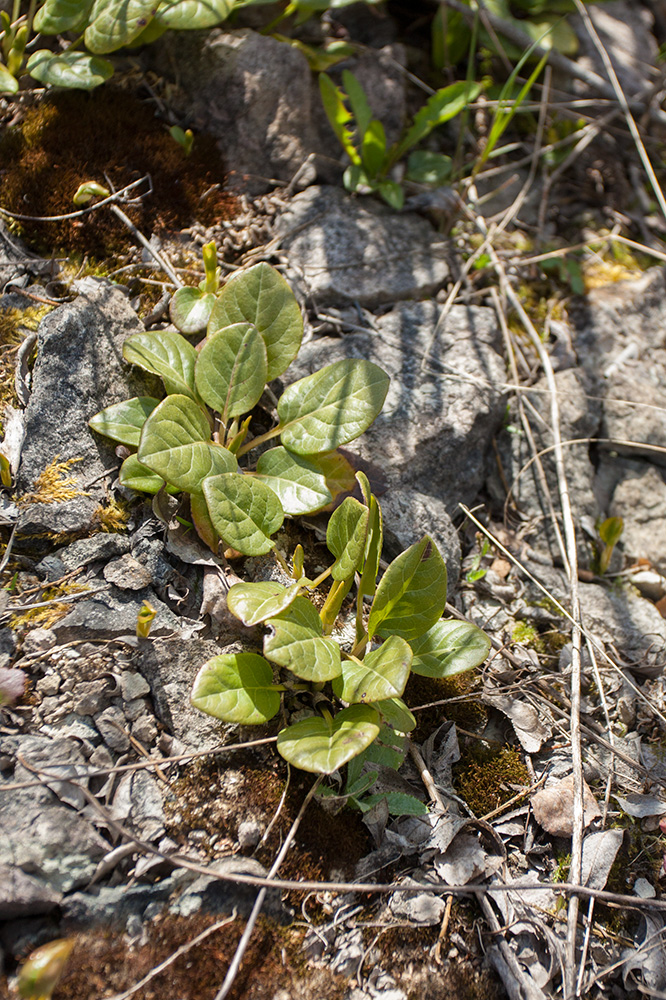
[70,137]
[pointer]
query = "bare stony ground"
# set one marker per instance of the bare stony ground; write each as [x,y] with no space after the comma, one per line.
[522,319]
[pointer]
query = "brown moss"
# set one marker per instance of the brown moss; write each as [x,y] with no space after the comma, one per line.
[485,783]
[465,710]
[113,517]
[70,137]
[54,484]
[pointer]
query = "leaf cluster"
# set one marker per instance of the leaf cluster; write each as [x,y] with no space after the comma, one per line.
[358,691]
[198,440]
[363,137]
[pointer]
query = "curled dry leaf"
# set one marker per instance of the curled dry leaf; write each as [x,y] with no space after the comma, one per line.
[553,807]
[525,720]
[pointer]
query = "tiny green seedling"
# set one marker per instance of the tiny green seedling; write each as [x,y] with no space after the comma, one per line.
[355,691]
[199,439]
[364,140]
[610,532]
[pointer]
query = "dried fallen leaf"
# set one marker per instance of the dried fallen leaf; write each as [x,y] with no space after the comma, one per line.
[553,807]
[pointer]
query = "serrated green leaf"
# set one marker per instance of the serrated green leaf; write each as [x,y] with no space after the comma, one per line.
[74,70]
[166,354]
[297,643]
[262,297]
[331,407]
[254,603]
[382,674]
[114,23]
[175,444]
[138,477]
[346,537]
[8,83]
[193,14]
[123,421]
[231,370]
[338,115]
[244,512]
[300,486]
[396,714]
[449,648]
[57,16]
[236,687]
[411,595]
[399,804]
[190,309]
[322,745]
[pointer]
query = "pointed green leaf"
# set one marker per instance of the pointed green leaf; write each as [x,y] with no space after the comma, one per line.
[382,674]
[57,16]
[244,512]
[396,714]
[123,421]
[444,105]
[254,603]
[8,83]
[411,595]
[75,70]
[373,150]
[175,443]
[190,309]
[166,354]
[230,372]
[358,103]
[300,486]
[193,14]
[114,23]
[323,745]
[331,407]
[297,643]
[236,687]
[449,648]
[139,477]
[346,537]
[392,193]
[262,297]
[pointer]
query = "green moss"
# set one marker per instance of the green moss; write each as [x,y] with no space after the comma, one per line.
[527,634]
[485,783]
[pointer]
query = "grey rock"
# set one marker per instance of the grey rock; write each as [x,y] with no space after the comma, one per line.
[138,805]
[113,905]
[207,894]
[7,642]
[38,640]
[341,249]
[625,32]
[24,896]
[79,370]
[112,613]
[170,667]
[111,726]
[441,412]
[94,549]
[51,568]
[133,709]
[133,685]
[78,727]
[127,573]
[16,262]
[93,696]
[408,516]
[49,684]
[249,833]
[145,730]
[639,498]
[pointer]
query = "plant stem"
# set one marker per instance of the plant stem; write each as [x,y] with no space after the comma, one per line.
[255,442]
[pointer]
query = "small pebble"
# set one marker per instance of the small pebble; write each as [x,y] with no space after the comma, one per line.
[39,640]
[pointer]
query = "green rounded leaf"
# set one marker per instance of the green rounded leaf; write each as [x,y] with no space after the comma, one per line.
[190,309]
[300,485]
[262,297]
[230,372]
[76,70]
[236,687]
[427,167]
[184,14]
[396,714]
[57,16]
[381,674]
[322,745]
[8,82]
[139,477]
[449,648]
[244,512]
[297,643]
[346,537]
[399,803]
[166,354]
[331,407]
[175,444]
[123,421]
[255,602]
[411,595]
[114,23]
